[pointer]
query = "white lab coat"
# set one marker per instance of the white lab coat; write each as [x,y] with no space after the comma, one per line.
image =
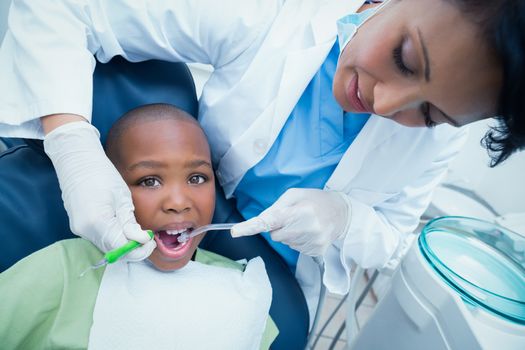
[264,53]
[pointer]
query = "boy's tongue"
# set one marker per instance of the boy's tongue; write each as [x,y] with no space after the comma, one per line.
[170,247]
[169,241]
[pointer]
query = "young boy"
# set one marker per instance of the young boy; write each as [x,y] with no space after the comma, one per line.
[181,298]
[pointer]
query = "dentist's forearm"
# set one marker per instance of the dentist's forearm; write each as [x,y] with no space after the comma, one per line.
[53,121]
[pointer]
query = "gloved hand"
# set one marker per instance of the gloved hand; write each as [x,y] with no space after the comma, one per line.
[95,196]
[308,220]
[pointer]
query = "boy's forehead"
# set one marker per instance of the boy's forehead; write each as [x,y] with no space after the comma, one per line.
[150,128]
[171,122]
[172,134]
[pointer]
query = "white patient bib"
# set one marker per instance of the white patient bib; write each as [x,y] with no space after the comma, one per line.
[197,307]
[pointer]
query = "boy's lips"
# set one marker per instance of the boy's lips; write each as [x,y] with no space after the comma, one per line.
[168,244]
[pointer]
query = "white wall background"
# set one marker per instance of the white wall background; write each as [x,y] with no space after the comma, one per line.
[503,187]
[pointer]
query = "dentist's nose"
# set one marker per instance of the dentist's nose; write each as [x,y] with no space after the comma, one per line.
[390,99]
[176,200]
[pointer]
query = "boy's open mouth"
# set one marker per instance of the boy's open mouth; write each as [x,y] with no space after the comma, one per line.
[169,245]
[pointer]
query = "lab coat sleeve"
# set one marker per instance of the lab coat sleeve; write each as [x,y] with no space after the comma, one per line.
[46,59]
[377,236]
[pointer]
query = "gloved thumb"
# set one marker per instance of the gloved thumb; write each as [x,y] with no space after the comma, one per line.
[142,252]
[125,213]
[271,219]
[249,227]
[133,232]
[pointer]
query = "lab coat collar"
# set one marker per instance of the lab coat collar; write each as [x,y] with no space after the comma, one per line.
[297,70]
[305,52]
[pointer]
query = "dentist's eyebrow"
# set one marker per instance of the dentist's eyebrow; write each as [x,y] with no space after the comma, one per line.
[425,56]
[426,69]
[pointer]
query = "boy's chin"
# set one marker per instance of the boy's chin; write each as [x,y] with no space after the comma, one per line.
[163,263]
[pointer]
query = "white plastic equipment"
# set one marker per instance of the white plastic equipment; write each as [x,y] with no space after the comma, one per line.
[461,286]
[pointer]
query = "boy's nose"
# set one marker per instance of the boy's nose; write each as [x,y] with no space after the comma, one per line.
[177,201]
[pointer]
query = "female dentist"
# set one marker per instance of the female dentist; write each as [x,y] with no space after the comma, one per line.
[321,139]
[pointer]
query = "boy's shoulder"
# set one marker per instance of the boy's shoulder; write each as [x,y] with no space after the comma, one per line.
[210,258]
[80,250]
[78,245]
[76,249]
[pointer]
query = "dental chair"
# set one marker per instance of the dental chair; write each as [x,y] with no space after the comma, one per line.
[32,214]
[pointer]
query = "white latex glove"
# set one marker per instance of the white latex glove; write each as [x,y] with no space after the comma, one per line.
[95,196]
[308,220]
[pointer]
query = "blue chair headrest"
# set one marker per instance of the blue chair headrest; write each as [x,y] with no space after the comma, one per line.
[32,214]
[120,86]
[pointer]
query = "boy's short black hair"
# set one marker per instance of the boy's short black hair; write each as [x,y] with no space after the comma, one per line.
[139,115]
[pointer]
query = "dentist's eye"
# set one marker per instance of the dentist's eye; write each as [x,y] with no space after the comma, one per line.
[197,179]
[149,182]
[397,55]
[425,110]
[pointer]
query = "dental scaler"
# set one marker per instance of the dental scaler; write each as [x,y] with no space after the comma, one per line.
[115,254]
[185,235]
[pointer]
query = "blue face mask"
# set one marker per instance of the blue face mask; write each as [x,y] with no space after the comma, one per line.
[347,26]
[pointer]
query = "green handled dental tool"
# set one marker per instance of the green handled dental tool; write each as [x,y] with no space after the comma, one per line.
[115,254]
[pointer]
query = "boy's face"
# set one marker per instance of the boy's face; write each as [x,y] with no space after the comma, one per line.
[167,166]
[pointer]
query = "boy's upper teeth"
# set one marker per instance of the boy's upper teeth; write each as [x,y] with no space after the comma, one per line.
[176,232]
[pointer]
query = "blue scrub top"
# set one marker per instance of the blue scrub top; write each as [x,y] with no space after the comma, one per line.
[305,153]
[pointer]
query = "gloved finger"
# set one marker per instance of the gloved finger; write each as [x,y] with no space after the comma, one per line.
[283,235]
[249,227]
[113,237]
[290,238]
[133,232]
[303,246]
[142,252]
[270,219]
[276,217]
[125,213]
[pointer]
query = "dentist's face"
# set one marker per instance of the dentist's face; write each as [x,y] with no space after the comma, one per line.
[419,62]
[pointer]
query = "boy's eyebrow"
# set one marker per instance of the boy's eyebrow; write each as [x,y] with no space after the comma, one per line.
[197,163]
[153,164]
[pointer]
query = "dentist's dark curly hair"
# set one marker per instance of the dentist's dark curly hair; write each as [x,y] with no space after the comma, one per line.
[502,24]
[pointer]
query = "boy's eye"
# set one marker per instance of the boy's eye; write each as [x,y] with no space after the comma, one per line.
[197,179]
[149,182]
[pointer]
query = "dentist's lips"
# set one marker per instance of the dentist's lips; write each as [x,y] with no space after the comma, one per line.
[169,246]
[353,96]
